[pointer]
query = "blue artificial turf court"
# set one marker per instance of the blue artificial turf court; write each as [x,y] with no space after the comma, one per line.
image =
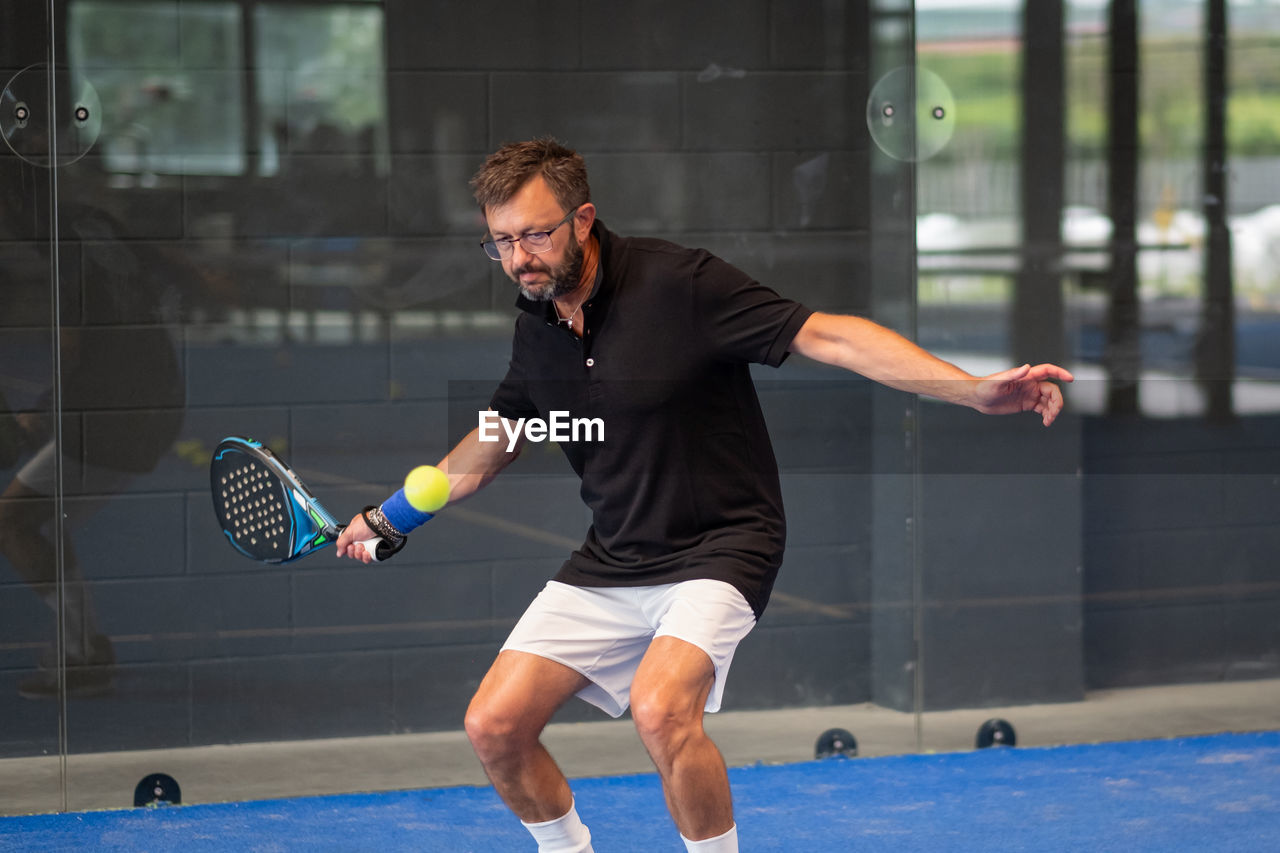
[1218,793]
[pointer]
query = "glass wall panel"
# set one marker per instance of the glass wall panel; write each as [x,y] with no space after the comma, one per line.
[228,217]
[1098,203]
[999,498]
[38,579]
[271,235]
[1180,436]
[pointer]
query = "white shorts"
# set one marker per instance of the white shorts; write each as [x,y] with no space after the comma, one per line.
[603,632]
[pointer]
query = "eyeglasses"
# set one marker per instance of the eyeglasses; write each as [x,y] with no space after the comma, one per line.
[535,242]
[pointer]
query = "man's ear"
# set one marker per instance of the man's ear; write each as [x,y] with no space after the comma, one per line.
[583,221]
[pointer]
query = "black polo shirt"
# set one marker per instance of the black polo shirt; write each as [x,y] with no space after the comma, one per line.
[684,484]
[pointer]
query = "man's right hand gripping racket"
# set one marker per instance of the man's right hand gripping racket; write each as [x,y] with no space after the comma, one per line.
[266,512]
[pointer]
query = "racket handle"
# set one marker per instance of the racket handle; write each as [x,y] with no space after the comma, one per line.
[378,548]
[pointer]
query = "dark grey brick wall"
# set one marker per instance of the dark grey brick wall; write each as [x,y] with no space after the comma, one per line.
[736,126]
[1180,532]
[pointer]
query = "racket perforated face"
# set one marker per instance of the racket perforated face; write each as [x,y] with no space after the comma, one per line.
[252,505]
[263,511]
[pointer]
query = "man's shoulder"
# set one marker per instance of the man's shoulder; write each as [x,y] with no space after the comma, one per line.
[651,246]
[656,254]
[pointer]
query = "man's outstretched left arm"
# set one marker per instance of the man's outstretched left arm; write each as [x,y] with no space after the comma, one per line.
[881,354]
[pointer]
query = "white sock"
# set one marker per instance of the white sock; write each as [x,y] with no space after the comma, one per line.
[726,843]
[565,834]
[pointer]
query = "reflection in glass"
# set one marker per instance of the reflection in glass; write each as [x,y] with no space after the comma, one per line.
[172,100]
[320,85]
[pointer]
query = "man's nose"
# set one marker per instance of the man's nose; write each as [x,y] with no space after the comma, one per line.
[519,255]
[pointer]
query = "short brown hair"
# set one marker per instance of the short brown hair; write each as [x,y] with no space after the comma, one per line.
[514,164]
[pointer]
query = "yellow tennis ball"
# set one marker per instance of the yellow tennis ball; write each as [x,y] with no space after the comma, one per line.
[426,488]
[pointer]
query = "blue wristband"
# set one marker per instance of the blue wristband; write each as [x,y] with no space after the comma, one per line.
[403,517]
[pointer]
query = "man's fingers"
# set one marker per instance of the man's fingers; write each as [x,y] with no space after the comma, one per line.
[348,542]
[1050,402]
[1050,371]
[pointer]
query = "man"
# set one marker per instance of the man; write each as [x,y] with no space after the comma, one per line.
[687,531]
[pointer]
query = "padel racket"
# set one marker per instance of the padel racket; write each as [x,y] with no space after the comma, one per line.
[266,512]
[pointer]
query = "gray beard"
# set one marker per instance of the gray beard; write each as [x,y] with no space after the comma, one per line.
[564,279]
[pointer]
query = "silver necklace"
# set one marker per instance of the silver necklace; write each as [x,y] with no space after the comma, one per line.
[568,321]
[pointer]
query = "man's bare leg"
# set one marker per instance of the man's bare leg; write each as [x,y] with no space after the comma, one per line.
[668,696]
[514,703]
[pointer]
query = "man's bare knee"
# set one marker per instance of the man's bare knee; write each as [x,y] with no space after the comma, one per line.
[664,726]
[495,732]
[515,701]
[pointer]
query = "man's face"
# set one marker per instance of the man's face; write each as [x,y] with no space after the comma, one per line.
[555,272]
